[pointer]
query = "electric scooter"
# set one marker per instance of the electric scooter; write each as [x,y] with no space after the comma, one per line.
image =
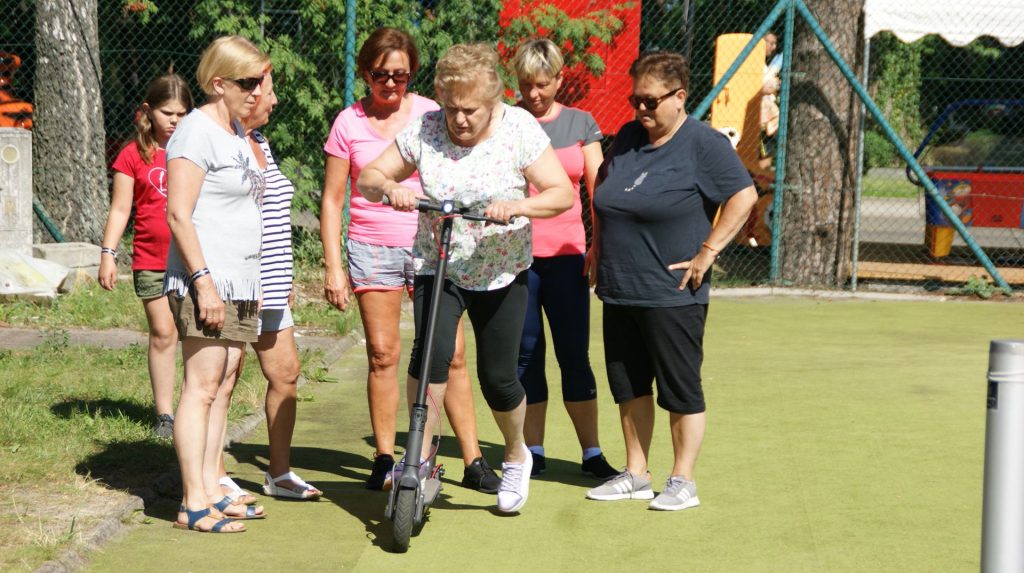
[419,484]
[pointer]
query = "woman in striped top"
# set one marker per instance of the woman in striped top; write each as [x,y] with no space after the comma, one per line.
[275,348]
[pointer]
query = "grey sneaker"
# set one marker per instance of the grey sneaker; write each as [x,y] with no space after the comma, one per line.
[164,428]
[623,486]
[679,493]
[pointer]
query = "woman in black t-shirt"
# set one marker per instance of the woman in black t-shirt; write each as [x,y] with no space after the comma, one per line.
[662,183]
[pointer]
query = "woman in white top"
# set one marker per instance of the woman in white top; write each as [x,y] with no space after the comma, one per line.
[214,191]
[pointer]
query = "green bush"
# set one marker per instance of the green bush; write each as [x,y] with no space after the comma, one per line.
[878,151]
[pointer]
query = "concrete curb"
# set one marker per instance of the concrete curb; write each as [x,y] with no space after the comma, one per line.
[755,292]
[76,558]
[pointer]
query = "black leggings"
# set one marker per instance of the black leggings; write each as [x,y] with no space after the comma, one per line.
[497,318]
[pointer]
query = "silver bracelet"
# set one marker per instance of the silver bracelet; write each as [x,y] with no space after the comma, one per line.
[108,251]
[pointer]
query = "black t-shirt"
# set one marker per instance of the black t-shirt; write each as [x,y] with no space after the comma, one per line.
[655,207]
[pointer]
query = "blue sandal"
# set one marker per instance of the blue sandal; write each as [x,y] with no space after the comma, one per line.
[195,516]
[250,510]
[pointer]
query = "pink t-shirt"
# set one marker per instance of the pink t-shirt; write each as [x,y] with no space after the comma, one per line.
[152,235]
[570,129]
[354,139]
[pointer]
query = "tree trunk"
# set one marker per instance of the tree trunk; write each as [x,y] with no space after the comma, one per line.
[817,212]
[68,155]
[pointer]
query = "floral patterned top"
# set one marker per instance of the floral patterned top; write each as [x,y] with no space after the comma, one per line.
[483,257]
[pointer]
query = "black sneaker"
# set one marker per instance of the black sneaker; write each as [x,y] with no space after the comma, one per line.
[382,465]
[539,465]
[164,428]
[481,477]
[599,467]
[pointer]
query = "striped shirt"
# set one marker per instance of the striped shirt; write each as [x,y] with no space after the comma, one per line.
[276,257]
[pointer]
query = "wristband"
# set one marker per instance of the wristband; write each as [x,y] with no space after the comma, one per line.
[710,248]
[108,251]
[198,274]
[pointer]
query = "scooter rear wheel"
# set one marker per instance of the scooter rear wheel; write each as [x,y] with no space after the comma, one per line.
[405,516]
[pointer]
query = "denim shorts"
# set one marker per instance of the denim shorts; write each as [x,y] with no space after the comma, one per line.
[275,319]
[379,267]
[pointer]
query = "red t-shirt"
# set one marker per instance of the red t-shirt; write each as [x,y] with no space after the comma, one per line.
[152,236]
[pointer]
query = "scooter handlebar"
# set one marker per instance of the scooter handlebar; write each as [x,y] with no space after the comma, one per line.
[449,208]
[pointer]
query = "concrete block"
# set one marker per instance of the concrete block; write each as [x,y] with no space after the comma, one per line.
[76,279]
[73,255]
[16,190]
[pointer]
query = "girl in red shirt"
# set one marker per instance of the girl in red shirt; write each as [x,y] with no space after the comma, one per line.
[140,182]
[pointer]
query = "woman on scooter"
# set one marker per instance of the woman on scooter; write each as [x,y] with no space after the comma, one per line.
[483,154]
[379,246]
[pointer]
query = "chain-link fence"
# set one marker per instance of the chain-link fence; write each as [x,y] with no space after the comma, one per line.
[888,233]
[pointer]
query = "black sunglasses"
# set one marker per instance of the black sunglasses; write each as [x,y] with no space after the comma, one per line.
[247,84]
[650,103]
[382,77]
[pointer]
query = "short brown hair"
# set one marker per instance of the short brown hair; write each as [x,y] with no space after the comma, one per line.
[667,67]
[382,42]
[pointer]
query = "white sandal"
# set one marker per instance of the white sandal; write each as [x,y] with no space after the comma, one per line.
[236,492]
[299,490]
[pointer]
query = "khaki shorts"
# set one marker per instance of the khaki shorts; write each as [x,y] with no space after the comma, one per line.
[148,284]
[240,320]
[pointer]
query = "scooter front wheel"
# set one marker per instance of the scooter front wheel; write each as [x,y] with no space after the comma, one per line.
[405,517]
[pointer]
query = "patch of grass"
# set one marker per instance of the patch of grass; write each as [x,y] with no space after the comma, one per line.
[90,306]
[888,187]
[312,311]
[76,413]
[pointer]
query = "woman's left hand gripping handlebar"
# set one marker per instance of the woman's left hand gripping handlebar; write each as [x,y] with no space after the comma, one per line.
[503,210]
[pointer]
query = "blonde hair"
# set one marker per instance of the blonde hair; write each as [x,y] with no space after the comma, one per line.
[160,91]
[230,57]
[538,57]
[473,66]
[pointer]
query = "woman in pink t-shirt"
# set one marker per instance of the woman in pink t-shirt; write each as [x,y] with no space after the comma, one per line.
[140,181]
[379,246]
[558,285]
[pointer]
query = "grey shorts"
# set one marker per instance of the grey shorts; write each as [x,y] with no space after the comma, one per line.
[275,319]
[377,267]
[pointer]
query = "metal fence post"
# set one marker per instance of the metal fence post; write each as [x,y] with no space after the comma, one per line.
[1002,522]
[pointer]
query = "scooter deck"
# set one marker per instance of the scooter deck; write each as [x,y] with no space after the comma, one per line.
[431,489]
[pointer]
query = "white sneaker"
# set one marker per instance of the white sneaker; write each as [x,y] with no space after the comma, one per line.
[515,484]
[623,486]
[679,493]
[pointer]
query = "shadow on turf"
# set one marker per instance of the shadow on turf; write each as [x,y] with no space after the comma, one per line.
[135,467]
[137,413]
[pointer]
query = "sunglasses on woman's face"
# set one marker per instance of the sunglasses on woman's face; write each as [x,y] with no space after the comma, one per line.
[650,103]
[247,84]
[382,77]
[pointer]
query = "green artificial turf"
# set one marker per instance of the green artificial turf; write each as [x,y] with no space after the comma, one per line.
[842,436]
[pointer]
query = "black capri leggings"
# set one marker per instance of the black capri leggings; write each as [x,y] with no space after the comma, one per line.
[497,318]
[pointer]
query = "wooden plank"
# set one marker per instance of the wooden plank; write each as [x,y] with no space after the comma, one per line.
[919,272]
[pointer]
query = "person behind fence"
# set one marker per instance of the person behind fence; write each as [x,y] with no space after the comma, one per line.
[482,154]
[140,183]
[215,188]
[379,245]
[275,349]
[558,287]
[660,187]
[769,102]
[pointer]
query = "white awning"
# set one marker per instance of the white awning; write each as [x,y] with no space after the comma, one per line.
[959,22]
